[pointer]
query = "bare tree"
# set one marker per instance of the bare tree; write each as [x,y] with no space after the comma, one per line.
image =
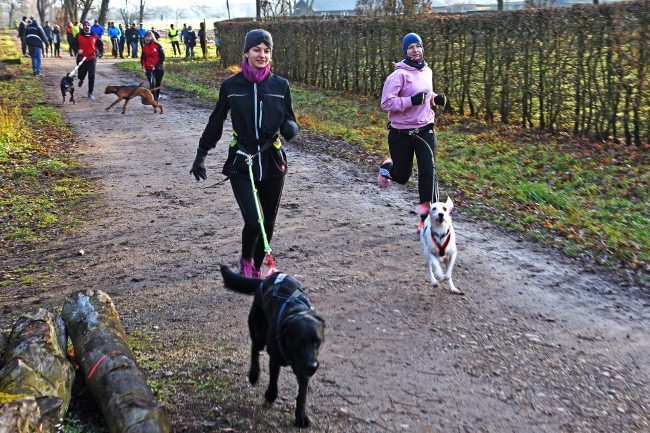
[143,5]
[103,13]
[41,7]
[178,13]
[85,5]
[14,6]
[128,13]
[202,11]
[70,10]
[276,8]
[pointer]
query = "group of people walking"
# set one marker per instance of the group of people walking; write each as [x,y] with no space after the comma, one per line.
[260,107]
[39,41]
[85,44]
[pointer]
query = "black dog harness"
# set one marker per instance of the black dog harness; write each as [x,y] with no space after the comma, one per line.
[295,297]
[117,89]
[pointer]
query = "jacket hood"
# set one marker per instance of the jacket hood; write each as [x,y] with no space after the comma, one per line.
[402,65]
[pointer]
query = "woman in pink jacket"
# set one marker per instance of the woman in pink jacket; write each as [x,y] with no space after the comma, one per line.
[407,97]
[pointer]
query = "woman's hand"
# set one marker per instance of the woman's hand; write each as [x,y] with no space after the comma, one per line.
[440,99]
[144,70]
[80,51]
[418,99]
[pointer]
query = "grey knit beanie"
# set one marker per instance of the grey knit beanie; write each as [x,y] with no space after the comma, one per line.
[256,37]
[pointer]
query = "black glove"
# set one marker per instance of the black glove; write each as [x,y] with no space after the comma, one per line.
[198,168]
[289,129]
[440,100]
[418,99]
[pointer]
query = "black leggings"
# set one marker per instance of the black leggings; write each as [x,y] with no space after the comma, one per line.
[269,192]
[175,46]
[88,67]
[402,147]
[155,80]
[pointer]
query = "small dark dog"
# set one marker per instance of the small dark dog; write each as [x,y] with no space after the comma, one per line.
[67,85]
[282,319]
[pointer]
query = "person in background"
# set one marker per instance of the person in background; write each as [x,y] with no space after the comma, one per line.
[21,34]
[97,29]
[122,42]
[173,36]
[152,59]
[132,38]
[190,43]
[72,42]
[48,43]
[90,46]
[217,46]
[56,41]
[184,33]
[141,32]
[114,34]
[203,40]
[255,128]
[155,33]
[408,97]
[36,40]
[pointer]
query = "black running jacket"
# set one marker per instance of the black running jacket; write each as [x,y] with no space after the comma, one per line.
[256,111]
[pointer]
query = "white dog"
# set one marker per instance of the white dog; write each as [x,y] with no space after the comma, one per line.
[439,242]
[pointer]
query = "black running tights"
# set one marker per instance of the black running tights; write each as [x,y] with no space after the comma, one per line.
[269,192]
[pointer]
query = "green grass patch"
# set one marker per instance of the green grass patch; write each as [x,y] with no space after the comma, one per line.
[589,199]
[39,185]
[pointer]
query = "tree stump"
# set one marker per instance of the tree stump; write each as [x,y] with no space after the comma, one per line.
[109,367]
[35,364]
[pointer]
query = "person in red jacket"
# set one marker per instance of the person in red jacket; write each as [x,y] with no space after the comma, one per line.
[90,47]
[152,60]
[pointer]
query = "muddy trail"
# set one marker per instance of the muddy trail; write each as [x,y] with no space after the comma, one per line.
[538,343]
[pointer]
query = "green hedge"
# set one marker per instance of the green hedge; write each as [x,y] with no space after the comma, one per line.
[582,69]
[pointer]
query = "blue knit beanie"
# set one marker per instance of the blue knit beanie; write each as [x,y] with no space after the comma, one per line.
[409,39]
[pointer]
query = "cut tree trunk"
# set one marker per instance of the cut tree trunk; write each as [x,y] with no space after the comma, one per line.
[103,354]
[35,364]
[21,415]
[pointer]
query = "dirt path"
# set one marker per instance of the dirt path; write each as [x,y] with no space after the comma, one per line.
[537,344]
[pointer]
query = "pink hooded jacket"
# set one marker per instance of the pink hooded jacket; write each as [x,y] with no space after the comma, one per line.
[403,83]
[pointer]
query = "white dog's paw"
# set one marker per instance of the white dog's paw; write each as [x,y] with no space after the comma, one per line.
[434,282]
[453,289]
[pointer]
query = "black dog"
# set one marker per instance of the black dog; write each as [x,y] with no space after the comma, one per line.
[283,320]
[67,85]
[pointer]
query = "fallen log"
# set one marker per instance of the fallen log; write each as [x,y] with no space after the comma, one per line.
[20,415]
[119,387]
[35,364]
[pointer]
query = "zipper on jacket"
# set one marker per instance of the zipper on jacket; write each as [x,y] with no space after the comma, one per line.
[257,133]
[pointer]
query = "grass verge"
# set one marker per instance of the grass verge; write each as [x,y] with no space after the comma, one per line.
[588,198]
[39,185]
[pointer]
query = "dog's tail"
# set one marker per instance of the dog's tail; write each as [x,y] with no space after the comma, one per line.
[156,88]
[239,283]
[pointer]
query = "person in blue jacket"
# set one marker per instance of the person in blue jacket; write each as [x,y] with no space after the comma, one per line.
[97,29]
[260,109]
[141,32]
[114,34]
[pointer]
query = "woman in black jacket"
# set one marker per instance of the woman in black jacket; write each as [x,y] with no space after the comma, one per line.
[260,108]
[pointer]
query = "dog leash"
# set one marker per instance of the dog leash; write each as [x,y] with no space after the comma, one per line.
[77,67]
[268,259]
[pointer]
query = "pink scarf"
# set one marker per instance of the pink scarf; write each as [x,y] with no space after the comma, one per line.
[252,76]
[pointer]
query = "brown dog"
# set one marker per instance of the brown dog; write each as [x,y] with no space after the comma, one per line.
[130,92]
